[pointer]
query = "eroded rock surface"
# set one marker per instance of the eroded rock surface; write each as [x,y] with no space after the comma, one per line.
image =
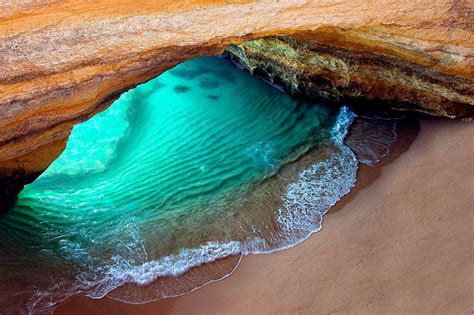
[63,61]
[318,66]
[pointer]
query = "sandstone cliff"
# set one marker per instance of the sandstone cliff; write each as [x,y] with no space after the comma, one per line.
[64,61]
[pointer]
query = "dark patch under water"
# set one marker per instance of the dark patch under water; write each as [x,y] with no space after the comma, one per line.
[181,88]
[213,97]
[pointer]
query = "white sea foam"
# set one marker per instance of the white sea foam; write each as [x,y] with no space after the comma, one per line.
[343,122]
[126,266]
[175,265]
[317,189]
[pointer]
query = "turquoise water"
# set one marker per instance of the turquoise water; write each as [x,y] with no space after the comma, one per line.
[201,163]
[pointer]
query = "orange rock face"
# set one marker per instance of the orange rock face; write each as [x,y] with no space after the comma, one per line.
[64,61]
[337,66]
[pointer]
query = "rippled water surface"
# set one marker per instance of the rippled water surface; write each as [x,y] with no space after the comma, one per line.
[202,163]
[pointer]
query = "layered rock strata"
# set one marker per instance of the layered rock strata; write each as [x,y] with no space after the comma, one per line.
[334,65]
[63,61]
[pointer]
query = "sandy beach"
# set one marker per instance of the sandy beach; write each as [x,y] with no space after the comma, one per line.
[403,244]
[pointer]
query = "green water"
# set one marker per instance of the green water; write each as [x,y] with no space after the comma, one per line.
[156,185]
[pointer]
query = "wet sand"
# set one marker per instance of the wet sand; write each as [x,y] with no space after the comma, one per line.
[399,243]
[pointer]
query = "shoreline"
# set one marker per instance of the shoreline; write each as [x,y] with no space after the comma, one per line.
[360,234]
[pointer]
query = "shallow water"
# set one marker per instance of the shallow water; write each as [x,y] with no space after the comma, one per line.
[202,163]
